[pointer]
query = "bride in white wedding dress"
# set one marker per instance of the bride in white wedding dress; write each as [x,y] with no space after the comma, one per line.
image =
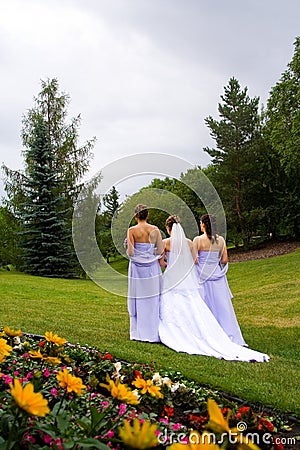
[186,323]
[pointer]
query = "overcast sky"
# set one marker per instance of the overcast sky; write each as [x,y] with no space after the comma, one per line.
[143,74]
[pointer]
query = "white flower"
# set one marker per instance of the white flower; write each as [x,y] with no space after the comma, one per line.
[157,379]
[136,393]
[118,366]
[167,382]
[177,386]
[17,343]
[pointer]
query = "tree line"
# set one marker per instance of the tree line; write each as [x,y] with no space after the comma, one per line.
[255,164]
[255,169]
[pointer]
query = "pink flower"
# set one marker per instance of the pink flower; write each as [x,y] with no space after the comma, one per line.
[122,409]
[105,404]
[110,434]
[58,442]
[164,419]
[16,373]
[47,438]
[176,426]
[54,392]
[7,379]
[29,438]
[47,373]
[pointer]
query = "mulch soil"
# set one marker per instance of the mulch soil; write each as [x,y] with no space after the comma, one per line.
[265,250]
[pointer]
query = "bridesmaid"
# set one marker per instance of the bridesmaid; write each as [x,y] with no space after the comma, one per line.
[145,250]
[212,267]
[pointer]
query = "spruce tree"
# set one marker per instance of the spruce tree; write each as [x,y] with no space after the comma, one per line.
[235,134]
[43,196]
[45,238]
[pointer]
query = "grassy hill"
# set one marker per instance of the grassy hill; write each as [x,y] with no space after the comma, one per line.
[266,300]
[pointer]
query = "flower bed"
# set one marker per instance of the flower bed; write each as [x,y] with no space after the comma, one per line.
[63,396]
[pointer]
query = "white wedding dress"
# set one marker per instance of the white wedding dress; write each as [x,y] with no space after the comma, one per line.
[186,323]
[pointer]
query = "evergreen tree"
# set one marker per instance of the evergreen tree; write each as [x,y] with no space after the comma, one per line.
[235,134]
[72,161]
[111,203]
[43,196]
[45,238]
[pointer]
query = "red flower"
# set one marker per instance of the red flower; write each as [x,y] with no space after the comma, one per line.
[198,419]
[264,423]
[41,344]
[107,356]
[137,374]
[169,411]
[244,410]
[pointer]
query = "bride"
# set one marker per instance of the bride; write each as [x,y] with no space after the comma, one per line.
[186,323]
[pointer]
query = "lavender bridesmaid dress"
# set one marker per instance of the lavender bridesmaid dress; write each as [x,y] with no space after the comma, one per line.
[144,286]
[217,294]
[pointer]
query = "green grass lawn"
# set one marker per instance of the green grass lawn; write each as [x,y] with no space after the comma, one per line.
[266,300]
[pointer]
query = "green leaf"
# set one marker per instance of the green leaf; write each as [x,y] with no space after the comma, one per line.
[92,443]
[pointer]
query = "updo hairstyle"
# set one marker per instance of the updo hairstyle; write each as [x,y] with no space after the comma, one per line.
[141,212]
[171,220]
[210,225]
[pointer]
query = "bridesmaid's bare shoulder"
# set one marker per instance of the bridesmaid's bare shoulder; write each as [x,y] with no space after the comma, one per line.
[166,243]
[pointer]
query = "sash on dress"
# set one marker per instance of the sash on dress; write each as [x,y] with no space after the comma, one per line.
[210,267]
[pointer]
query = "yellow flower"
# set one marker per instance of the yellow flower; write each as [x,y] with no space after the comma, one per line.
[120,391]
[147,386]
[71,383]
[12,333]
[54,338]
[52,360]
[139,436]
[49,359]
[217,422]
[32,402]
[5,349]
[35,354]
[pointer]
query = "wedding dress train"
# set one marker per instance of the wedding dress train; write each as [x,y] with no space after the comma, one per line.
[186,323]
